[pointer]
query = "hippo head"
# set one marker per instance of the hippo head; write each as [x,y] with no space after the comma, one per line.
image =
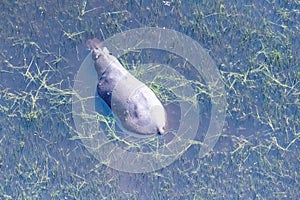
[102,57]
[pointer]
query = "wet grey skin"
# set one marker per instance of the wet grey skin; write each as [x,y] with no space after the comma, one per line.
[135,106]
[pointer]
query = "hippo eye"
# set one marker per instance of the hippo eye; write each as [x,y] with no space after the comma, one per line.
[96,57]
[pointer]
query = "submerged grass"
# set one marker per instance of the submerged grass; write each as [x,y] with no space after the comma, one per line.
[255,46]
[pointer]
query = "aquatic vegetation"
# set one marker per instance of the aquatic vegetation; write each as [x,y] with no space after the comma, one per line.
[256,49]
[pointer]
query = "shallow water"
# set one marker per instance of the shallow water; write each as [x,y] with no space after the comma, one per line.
[256,50]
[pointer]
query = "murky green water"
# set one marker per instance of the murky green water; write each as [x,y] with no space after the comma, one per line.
[256,48]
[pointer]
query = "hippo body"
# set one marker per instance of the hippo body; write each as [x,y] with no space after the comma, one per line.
[135,105]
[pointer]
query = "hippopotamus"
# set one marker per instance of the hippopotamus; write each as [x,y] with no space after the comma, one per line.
[134,104]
